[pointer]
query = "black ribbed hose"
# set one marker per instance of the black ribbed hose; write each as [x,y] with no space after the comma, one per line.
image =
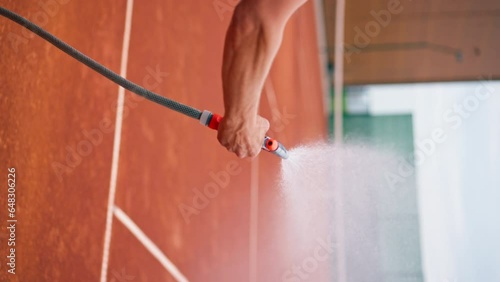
[125,83]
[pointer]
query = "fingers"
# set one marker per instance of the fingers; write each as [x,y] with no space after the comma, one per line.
[241,154]
[253,152]
[243,139]
[263,124]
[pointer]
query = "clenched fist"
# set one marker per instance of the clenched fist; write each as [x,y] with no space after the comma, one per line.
[243,136]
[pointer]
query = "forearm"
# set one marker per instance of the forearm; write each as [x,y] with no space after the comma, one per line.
[250,47]
[252,41]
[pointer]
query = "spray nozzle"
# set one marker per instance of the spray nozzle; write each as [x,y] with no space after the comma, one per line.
[275,147]
[270,145]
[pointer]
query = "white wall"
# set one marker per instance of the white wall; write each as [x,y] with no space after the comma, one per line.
[459,180]
[457,146]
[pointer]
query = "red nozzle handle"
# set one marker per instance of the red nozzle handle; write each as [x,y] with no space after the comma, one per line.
[210,120]
[215,121]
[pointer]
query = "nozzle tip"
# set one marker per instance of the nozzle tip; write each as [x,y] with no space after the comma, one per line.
[275,147]
[272,144]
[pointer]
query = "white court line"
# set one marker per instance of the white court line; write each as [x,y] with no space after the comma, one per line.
[149,245]
[323,53]
[254,213]
[338,135]
[271,97]
[116,143]
[254,188]
[338,76]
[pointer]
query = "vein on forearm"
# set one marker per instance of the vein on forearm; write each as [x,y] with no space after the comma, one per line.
[248,54]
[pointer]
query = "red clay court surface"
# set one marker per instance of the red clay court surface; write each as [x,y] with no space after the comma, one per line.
[51,105]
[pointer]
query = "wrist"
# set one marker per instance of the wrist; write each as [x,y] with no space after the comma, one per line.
[239,117]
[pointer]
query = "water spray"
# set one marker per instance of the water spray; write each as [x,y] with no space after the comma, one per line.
[206,118]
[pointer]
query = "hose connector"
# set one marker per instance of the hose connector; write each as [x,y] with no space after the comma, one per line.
[270,145]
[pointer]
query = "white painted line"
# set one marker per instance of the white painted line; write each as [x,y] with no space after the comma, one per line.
[271,97]
[338,79]
[116,143]
[149,245]
[254,213]
[323,54]
[338,136]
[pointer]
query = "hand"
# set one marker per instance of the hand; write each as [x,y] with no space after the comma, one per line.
[243,136]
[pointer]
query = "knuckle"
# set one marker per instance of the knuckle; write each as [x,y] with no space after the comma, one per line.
[240,153]
[254,152]
[221,139]
[266,125]
[224,143]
